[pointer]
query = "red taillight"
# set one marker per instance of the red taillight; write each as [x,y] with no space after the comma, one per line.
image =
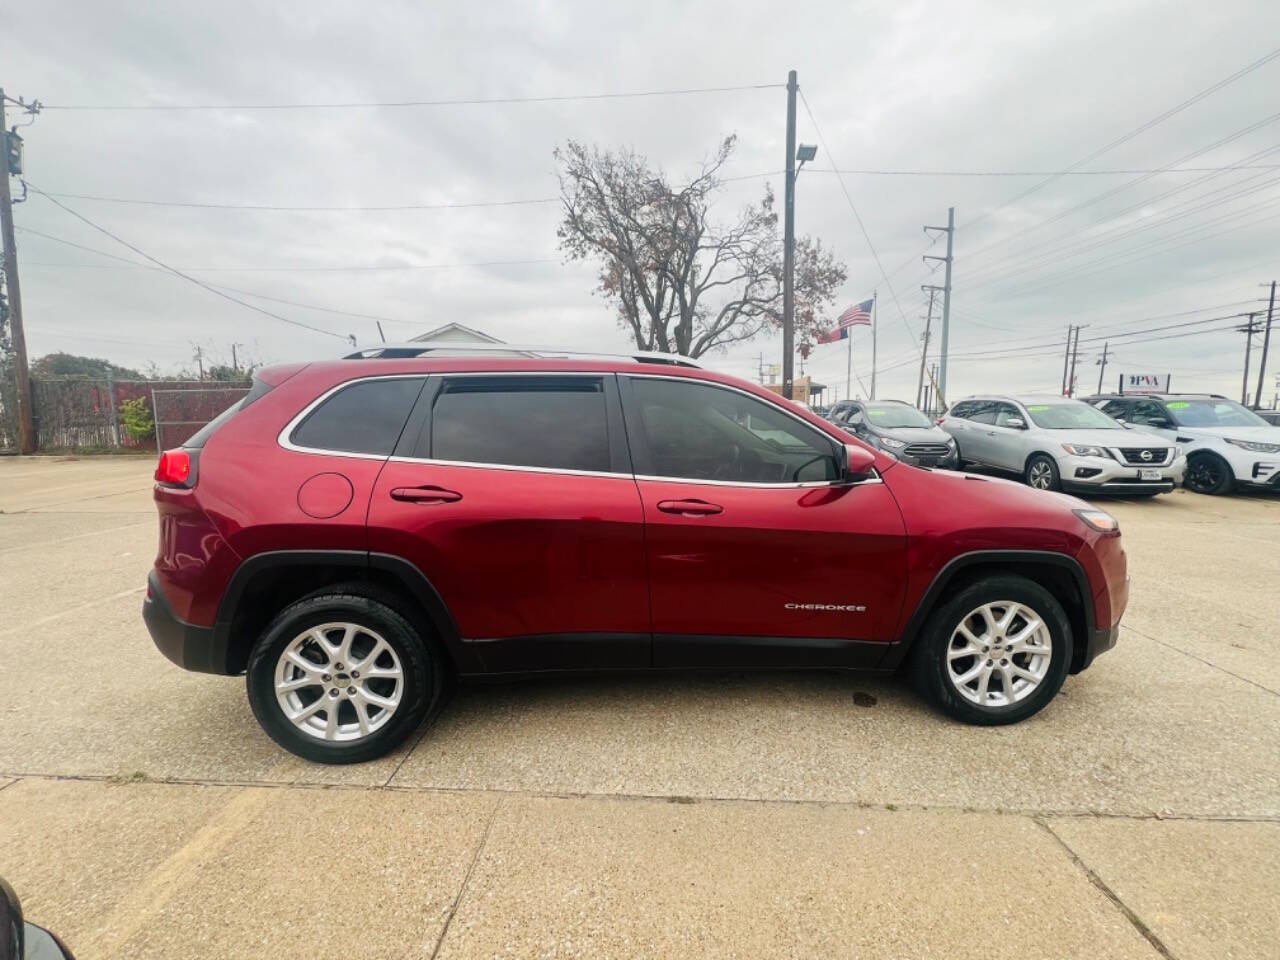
[174,468]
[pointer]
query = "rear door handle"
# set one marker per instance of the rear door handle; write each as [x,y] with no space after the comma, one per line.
[690,508]
[425,494]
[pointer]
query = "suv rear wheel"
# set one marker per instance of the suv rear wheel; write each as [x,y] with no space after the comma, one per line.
[996,652]
[342,676]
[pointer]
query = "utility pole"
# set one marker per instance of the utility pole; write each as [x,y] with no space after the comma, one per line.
[17,333]
[1066,359]
[924,346]
[235,367]
[1075,351]
[1249,329]
[950,230]
[199,358]
[788,243]
[1103,362]
[1266,342]
[381,336]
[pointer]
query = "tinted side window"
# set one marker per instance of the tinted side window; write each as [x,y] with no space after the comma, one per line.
[1005,411]
[554,422]
[365,417]
[1146,412]
[699,432]
[1116,408]
[983,411]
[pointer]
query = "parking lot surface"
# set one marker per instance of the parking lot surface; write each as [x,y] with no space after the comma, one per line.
[144,814]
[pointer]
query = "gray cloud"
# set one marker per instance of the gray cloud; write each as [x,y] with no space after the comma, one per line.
[965,86]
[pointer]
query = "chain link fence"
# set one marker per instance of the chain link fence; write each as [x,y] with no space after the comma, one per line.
[88,415]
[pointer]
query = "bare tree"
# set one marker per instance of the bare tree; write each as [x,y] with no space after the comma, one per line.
[679,283]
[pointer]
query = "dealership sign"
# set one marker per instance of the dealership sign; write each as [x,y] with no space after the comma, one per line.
[1144,383]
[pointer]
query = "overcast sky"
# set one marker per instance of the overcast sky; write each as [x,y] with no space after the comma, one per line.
[961,86]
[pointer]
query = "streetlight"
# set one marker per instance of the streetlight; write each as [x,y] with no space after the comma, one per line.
[804,153]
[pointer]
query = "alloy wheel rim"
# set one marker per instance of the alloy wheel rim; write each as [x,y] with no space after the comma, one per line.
[999,654]
[339,682]
[1040,475]
[1203,475]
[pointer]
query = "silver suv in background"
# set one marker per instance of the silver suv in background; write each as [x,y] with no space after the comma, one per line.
[1056,443]
[900,430]
[1228,445]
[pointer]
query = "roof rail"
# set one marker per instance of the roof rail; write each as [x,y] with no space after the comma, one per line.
[397,351]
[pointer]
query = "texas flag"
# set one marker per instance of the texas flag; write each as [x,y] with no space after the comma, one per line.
[857,315]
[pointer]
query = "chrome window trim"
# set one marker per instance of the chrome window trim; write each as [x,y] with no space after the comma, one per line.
[568,471]
[283,437]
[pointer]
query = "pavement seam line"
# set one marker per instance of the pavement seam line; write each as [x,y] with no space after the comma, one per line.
[1093,877]
[78,536]
[63,503]
[70,610]
[466,880]
[889,806]
[1207,663]
[10,783]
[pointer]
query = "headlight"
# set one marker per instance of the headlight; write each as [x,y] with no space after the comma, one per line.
[1177,453]
[1254,447]
[892,444]
[951,441]
[1084,450]
[1098,520]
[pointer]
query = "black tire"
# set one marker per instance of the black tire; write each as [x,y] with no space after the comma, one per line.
[1041,472]
[1208,473]
[928,662]
[388,617]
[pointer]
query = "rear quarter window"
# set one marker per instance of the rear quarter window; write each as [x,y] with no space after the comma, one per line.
[364,417]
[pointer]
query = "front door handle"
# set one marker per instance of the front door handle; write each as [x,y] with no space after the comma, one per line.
[690,508]
[425,494]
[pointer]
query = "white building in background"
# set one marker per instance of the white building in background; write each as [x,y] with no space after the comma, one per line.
[459,334]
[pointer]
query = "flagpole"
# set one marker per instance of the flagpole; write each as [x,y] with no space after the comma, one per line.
[874,300]
[848,366]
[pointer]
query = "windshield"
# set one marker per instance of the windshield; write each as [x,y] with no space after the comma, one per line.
[1070,416]
[1213,413]
[892,415]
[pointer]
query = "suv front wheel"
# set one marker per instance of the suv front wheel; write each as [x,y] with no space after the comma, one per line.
[342,676]
[996,652]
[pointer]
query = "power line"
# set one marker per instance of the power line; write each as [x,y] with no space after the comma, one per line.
[858,217]
[458,102]
[160,263]
[466,205]
[1136,131]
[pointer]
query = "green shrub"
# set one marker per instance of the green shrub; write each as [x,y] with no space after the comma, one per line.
[136,418]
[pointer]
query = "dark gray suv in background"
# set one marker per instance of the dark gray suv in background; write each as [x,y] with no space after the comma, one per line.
[900,430]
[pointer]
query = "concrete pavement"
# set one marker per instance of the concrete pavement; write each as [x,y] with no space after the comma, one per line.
[142,813]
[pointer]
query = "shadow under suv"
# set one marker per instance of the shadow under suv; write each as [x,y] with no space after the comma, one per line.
[355,534]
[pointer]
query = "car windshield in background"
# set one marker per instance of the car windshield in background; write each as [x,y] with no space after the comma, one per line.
[1213,413]
[1070,416]
[893,415]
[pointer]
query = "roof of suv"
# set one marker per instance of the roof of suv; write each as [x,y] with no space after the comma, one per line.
[1158,396]
[1017,397]
[402,351]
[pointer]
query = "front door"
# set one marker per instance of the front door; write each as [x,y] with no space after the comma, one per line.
[757,555]
[513,496]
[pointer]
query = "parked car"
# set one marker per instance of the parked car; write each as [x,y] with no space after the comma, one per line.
[901,431]
[1227,444]
[1057,443]
[20,940]
[356,533]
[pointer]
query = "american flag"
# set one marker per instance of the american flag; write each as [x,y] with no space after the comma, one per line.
[859,313]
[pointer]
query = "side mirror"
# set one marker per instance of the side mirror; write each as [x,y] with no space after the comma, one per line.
[1017,423]
[1160,424]
[854,420]
[857,463]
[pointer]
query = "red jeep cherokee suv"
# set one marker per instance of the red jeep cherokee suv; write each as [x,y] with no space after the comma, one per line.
[354,534]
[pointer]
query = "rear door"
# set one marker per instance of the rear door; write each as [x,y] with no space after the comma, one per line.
[513,494]
[757,556]
[1007,443]
[977,431]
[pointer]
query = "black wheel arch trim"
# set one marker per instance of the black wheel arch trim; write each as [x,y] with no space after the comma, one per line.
[412,579]
[898,651]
